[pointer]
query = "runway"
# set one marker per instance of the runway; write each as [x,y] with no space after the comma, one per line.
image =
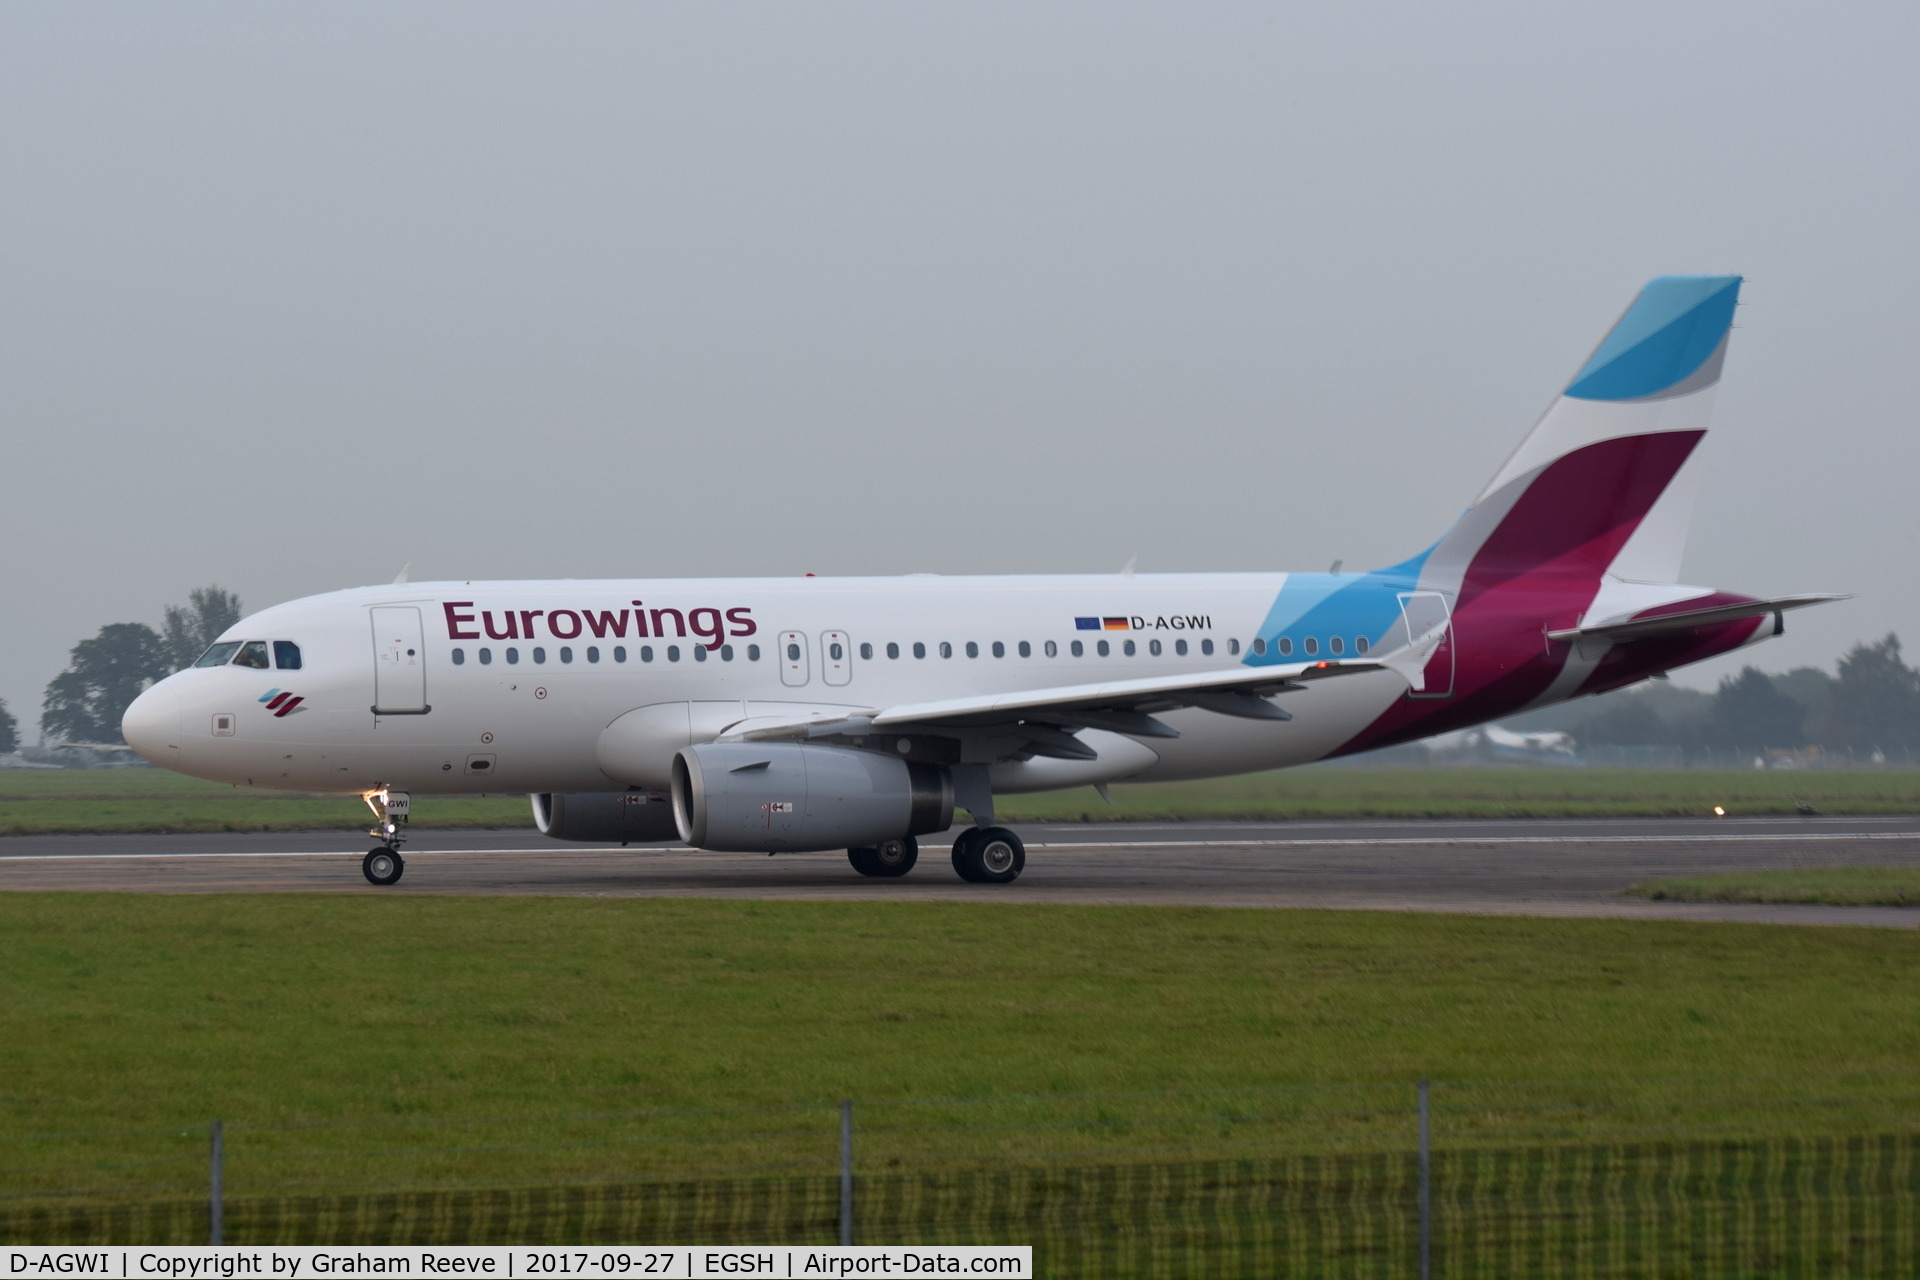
[1516,867]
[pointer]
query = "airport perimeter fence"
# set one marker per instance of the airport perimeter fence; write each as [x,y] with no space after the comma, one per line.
[1490,1180]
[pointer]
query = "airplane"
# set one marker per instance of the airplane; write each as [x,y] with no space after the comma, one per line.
[806,714]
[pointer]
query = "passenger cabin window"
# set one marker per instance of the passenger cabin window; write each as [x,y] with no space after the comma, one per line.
[1260,646]
[286,655]
[513,655]
[593,653]
[459,656]
[1128,647]
[252,654]
[1153,647]
[893,649]
[1079,650]
[919,649]
[1102,647]
[1026,650]
[946,649]
[1206,647]
[999,650]
[218,655]
[1233,647]
[1053,650]
[1180,647]
[619,653]
[1311,645]
[486,657]
[1335,645]
[1361,644]
[753,653]
[726,653]
[866,653]
[1285,645]
[973,649]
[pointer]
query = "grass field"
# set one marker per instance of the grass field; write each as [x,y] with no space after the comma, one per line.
[360,1041]
[46,801]
[1836,886]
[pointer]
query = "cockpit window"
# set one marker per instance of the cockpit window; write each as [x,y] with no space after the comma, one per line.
[217,654]
[252,654]
[286,655]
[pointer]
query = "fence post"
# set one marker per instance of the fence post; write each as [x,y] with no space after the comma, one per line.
[846,1171]
[216,1191]
[1426,1187]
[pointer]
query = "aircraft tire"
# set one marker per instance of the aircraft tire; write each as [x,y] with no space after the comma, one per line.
[887,859]
[989,855]
[963,860]
[383,866]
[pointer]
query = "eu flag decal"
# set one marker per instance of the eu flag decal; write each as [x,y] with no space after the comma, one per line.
[1086,624]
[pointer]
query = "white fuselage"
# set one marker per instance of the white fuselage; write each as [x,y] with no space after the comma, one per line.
[518,689]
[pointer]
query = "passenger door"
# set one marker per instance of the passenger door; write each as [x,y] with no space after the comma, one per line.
[836,657]
[794,667]
[399,662]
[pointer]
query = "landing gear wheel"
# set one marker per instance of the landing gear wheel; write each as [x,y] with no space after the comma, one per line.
[886,859]
[382,866]
[989,855]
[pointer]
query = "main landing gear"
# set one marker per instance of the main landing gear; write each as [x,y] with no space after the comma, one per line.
[383,864]
[989,855]
[981,855]
[888,858]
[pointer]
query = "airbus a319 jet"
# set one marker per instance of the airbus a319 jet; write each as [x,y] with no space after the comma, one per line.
[783,715]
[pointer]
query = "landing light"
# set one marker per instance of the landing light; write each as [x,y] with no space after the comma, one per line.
[1718,812]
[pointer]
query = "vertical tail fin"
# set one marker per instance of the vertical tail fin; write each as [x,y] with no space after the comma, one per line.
[1591,490]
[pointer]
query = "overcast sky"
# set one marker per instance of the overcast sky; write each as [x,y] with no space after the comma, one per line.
[293,295]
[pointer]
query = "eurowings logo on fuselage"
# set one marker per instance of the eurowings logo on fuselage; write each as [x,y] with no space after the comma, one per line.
[1134,622]
[713,626]
[281,703]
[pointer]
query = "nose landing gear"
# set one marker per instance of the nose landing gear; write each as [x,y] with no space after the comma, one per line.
[383,865]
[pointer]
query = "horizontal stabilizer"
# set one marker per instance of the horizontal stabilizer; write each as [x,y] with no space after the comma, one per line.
[1624,629]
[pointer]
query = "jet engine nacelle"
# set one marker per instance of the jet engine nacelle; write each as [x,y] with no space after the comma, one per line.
[604,816]
[790,797]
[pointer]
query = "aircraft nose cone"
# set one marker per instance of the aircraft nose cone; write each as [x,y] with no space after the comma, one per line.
[151,725]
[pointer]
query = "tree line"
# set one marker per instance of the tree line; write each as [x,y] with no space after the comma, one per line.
[105,674]
[1871,703]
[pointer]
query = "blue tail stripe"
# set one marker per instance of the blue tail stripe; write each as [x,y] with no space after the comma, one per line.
[1671,329]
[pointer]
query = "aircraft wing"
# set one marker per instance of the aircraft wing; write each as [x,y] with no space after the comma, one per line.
[1043,720]
[1624,629]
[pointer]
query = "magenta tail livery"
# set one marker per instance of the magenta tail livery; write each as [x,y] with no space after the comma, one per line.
[857,713]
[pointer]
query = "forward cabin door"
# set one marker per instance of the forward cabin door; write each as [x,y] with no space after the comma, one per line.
[793,658]
[836,657]
[399,662]
[1423,611]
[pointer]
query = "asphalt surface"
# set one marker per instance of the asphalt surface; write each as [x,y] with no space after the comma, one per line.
[1542,868]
